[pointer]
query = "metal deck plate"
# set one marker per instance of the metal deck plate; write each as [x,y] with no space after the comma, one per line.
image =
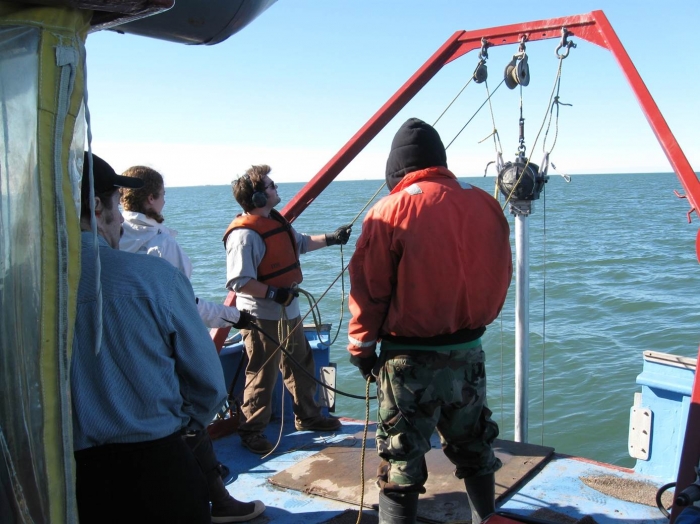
[334,473]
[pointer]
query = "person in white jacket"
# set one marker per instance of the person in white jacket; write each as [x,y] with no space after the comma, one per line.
[144,232]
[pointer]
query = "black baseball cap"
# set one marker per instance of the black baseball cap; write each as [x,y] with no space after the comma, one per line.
[105,178]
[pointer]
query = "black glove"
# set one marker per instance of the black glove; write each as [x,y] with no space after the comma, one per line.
[365,365]
[339,236]
[245,320]
[281,295]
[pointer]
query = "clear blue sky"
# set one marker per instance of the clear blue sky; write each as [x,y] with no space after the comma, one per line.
[292,87]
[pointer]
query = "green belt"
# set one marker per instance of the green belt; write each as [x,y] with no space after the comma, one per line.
[388,345]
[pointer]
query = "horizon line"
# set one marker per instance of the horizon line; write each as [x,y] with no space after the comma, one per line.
[555,175]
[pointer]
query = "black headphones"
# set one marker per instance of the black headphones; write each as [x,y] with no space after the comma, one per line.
[259,198]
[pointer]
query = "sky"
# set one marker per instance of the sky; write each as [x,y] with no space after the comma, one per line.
[291,88]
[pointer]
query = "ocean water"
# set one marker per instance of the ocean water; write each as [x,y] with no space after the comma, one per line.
[612,273]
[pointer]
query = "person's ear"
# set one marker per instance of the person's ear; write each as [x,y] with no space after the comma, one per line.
[99,206]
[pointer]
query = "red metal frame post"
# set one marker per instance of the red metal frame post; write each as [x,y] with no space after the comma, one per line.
[690,454]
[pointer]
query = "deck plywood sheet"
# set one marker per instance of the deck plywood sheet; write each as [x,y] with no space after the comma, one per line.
[334,473]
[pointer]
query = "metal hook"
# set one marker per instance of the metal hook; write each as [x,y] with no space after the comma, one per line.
[499,162]
[690,220]
[564,43]
[563,175]
[521,47]
[484,53]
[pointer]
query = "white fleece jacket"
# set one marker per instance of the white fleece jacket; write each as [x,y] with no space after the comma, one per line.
[143,234]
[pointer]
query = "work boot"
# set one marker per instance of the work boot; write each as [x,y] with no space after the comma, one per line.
[257,443]
[225,508]
[481,492]
[398,508]
[319,423]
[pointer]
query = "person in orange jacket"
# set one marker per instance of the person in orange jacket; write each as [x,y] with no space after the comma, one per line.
[430,271]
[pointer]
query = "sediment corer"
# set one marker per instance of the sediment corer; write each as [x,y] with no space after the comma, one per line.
[521,180]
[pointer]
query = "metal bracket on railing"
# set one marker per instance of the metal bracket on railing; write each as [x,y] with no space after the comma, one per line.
[690,220]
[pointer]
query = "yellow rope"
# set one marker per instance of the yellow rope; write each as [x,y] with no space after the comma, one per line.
[362,456]
[279,436]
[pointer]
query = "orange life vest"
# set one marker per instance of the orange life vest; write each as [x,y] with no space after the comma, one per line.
[280,265]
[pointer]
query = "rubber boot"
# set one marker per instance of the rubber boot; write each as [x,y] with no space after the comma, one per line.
[398,508]
[481,492]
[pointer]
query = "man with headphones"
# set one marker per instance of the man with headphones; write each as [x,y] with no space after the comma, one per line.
[262,267]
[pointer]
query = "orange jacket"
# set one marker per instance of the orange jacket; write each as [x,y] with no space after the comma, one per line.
[280,265]
[433,259]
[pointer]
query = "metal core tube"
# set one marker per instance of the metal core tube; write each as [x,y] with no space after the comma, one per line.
[522,322]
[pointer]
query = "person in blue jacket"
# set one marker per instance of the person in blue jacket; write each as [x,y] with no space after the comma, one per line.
[143,372]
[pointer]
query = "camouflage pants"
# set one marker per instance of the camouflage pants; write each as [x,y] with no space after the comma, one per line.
[419,391]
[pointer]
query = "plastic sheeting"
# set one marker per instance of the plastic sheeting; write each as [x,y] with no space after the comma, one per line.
[22,475]
[42,134]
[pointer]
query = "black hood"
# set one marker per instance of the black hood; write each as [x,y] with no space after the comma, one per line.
[416,146]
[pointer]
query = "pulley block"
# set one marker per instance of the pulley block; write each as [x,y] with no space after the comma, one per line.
[517,71]
[521,180]
[480,73]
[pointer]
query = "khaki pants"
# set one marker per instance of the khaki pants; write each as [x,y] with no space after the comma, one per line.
[261,374]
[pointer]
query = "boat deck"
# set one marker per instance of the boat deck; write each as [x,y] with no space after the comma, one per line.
[316,478]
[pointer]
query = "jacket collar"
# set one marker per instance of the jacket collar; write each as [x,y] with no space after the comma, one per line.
[423,174]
